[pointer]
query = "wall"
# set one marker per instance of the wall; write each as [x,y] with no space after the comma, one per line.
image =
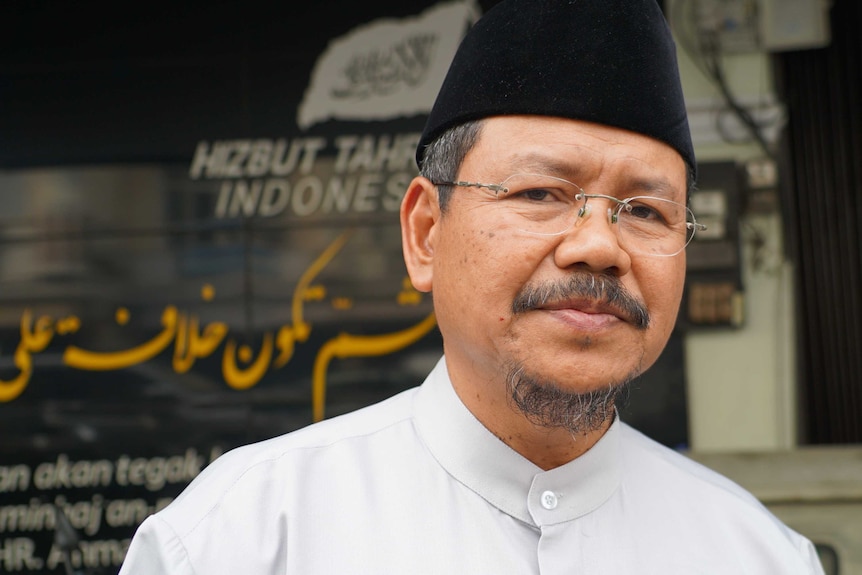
[741,385]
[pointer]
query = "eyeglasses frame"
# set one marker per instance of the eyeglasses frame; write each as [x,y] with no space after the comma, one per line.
[584,211]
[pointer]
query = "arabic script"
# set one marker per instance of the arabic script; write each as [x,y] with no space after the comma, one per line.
[242,368]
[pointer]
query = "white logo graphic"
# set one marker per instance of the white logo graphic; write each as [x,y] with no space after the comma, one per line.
[387,68]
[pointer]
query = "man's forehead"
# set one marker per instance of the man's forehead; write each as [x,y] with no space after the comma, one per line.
[572,149]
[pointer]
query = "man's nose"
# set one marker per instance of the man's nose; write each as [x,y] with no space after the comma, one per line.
[593,242]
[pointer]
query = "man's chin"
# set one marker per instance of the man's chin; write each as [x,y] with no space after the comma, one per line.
[557,405]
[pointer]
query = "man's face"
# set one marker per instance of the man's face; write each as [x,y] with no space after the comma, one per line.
[483,272]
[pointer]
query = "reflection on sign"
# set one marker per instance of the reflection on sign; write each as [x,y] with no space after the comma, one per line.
[241,367]
[386,68]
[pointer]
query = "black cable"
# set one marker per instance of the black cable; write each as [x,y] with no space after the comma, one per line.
[705,53]
[713,60]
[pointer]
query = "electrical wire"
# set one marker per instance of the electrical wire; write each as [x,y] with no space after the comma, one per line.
[704,48]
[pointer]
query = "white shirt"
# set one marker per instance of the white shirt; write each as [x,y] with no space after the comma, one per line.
[417,485]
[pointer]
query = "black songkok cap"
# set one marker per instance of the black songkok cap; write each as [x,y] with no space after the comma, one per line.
[612,62]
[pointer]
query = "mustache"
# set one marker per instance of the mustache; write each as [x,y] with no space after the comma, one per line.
[605,289]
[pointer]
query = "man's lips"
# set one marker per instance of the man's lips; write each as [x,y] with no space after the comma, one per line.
[586,314]
[585,298]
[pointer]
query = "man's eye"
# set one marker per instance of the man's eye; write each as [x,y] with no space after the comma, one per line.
[644,212]
[536,195]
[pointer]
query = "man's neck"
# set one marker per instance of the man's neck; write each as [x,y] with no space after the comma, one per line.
[545,447]
[548,449]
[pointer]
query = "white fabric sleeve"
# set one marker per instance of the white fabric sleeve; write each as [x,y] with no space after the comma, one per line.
[156,550]
[810,554]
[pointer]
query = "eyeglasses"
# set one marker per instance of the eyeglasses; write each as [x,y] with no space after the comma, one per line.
[550,206]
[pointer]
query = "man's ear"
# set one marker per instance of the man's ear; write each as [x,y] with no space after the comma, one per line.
[420,216]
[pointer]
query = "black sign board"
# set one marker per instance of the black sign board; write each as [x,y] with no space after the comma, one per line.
[200,248]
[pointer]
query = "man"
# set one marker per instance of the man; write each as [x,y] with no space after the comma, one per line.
[550,224]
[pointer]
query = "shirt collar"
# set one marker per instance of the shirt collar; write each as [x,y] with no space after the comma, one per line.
[478,459]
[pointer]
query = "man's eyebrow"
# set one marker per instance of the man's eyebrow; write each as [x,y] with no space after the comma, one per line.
[532,162]
[654,186]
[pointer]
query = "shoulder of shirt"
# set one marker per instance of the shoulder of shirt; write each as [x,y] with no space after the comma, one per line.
[362,422]
[689,480]
[249,463]
[684,481]
[672,462]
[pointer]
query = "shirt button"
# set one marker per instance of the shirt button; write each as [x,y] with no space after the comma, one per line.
[549,500]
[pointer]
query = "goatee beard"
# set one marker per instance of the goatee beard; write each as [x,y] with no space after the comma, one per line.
[546,404]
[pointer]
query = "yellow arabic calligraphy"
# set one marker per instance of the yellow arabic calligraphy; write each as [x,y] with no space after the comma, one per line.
[32,341]
[304,291]
[346,345]
[191,344]
[240,368]
[101,361]
[288,335]
[243,379]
